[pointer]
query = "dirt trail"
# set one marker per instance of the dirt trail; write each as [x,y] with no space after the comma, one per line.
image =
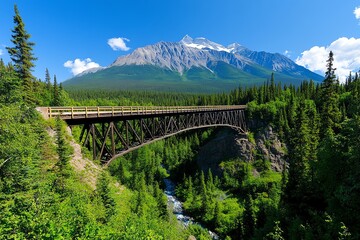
[88,170]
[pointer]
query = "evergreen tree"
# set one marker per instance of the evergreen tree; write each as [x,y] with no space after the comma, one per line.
[64,152]
[161,201]
[103,191]
[56,94]
[10,89]
[22,56]
[2,64]
[354,104]
[203,193]
[217,215]
[299,156]
[140,201]
[339,169]
[249,218]
[210,182]
[47,80]
[329,109]
[300,195]
[272,88]
[276,234]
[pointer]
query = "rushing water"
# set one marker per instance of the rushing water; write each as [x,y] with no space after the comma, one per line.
[177,208]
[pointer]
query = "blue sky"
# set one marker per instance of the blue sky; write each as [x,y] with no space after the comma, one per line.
[65,30]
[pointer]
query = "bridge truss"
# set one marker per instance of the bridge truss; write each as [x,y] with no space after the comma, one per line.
[111,132]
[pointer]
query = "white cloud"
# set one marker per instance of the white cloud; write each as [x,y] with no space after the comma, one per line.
[346,57]
[118,44]
[357,12]
[287,53]
[78,66]
[1,52]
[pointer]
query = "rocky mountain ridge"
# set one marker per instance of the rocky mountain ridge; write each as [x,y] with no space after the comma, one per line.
[201,52]
[192,65]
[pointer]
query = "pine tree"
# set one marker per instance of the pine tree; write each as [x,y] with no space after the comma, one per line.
[161,201]
[56,94]
[329,109]
[272,88]
[203,192]
[47,80]
[64,152]
[10,89]
[249,218]
[217,215]
[140,201]
[210,182]
[299,193]
[22,56]
[300,146]
[103,191]
[276,234]
[190,192]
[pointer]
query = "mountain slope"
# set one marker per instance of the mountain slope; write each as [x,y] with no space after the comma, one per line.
[192,65]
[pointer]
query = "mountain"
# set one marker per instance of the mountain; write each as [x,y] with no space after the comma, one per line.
[192,65]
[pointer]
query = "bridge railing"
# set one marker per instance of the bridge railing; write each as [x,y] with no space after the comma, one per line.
[113,111]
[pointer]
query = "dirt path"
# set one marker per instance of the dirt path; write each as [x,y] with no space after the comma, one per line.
[87,170]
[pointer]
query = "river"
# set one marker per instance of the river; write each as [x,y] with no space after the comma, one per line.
[177,209]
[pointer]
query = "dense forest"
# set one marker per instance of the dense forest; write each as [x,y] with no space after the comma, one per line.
[42,195]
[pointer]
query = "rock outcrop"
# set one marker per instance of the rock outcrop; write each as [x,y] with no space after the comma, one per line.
[230,144]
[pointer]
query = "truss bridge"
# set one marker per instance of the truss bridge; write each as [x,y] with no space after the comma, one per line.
[110,132]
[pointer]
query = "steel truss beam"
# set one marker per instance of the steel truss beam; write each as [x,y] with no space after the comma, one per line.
[114,138]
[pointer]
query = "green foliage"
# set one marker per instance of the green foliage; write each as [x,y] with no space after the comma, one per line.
[103,192]
[329,108]
[9,85]
[22,56]
[339,172]
[62,167]
[276,234]
[249,219]
[198,232]
[56,95]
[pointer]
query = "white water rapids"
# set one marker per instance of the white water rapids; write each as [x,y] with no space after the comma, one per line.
[176,206]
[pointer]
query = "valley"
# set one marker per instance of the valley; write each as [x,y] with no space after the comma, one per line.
[177,140]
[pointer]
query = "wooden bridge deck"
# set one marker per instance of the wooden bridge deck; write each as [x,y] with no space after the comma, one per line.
[118,111]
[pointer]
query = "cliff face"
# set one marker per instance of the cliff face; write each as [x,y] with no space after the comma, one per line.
[231,144]
[271,148]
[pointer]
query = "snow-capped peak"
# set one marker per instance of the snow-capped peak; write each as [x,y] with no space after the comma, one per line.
[236,48]
[186,40]
[233,46]
[202,43]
